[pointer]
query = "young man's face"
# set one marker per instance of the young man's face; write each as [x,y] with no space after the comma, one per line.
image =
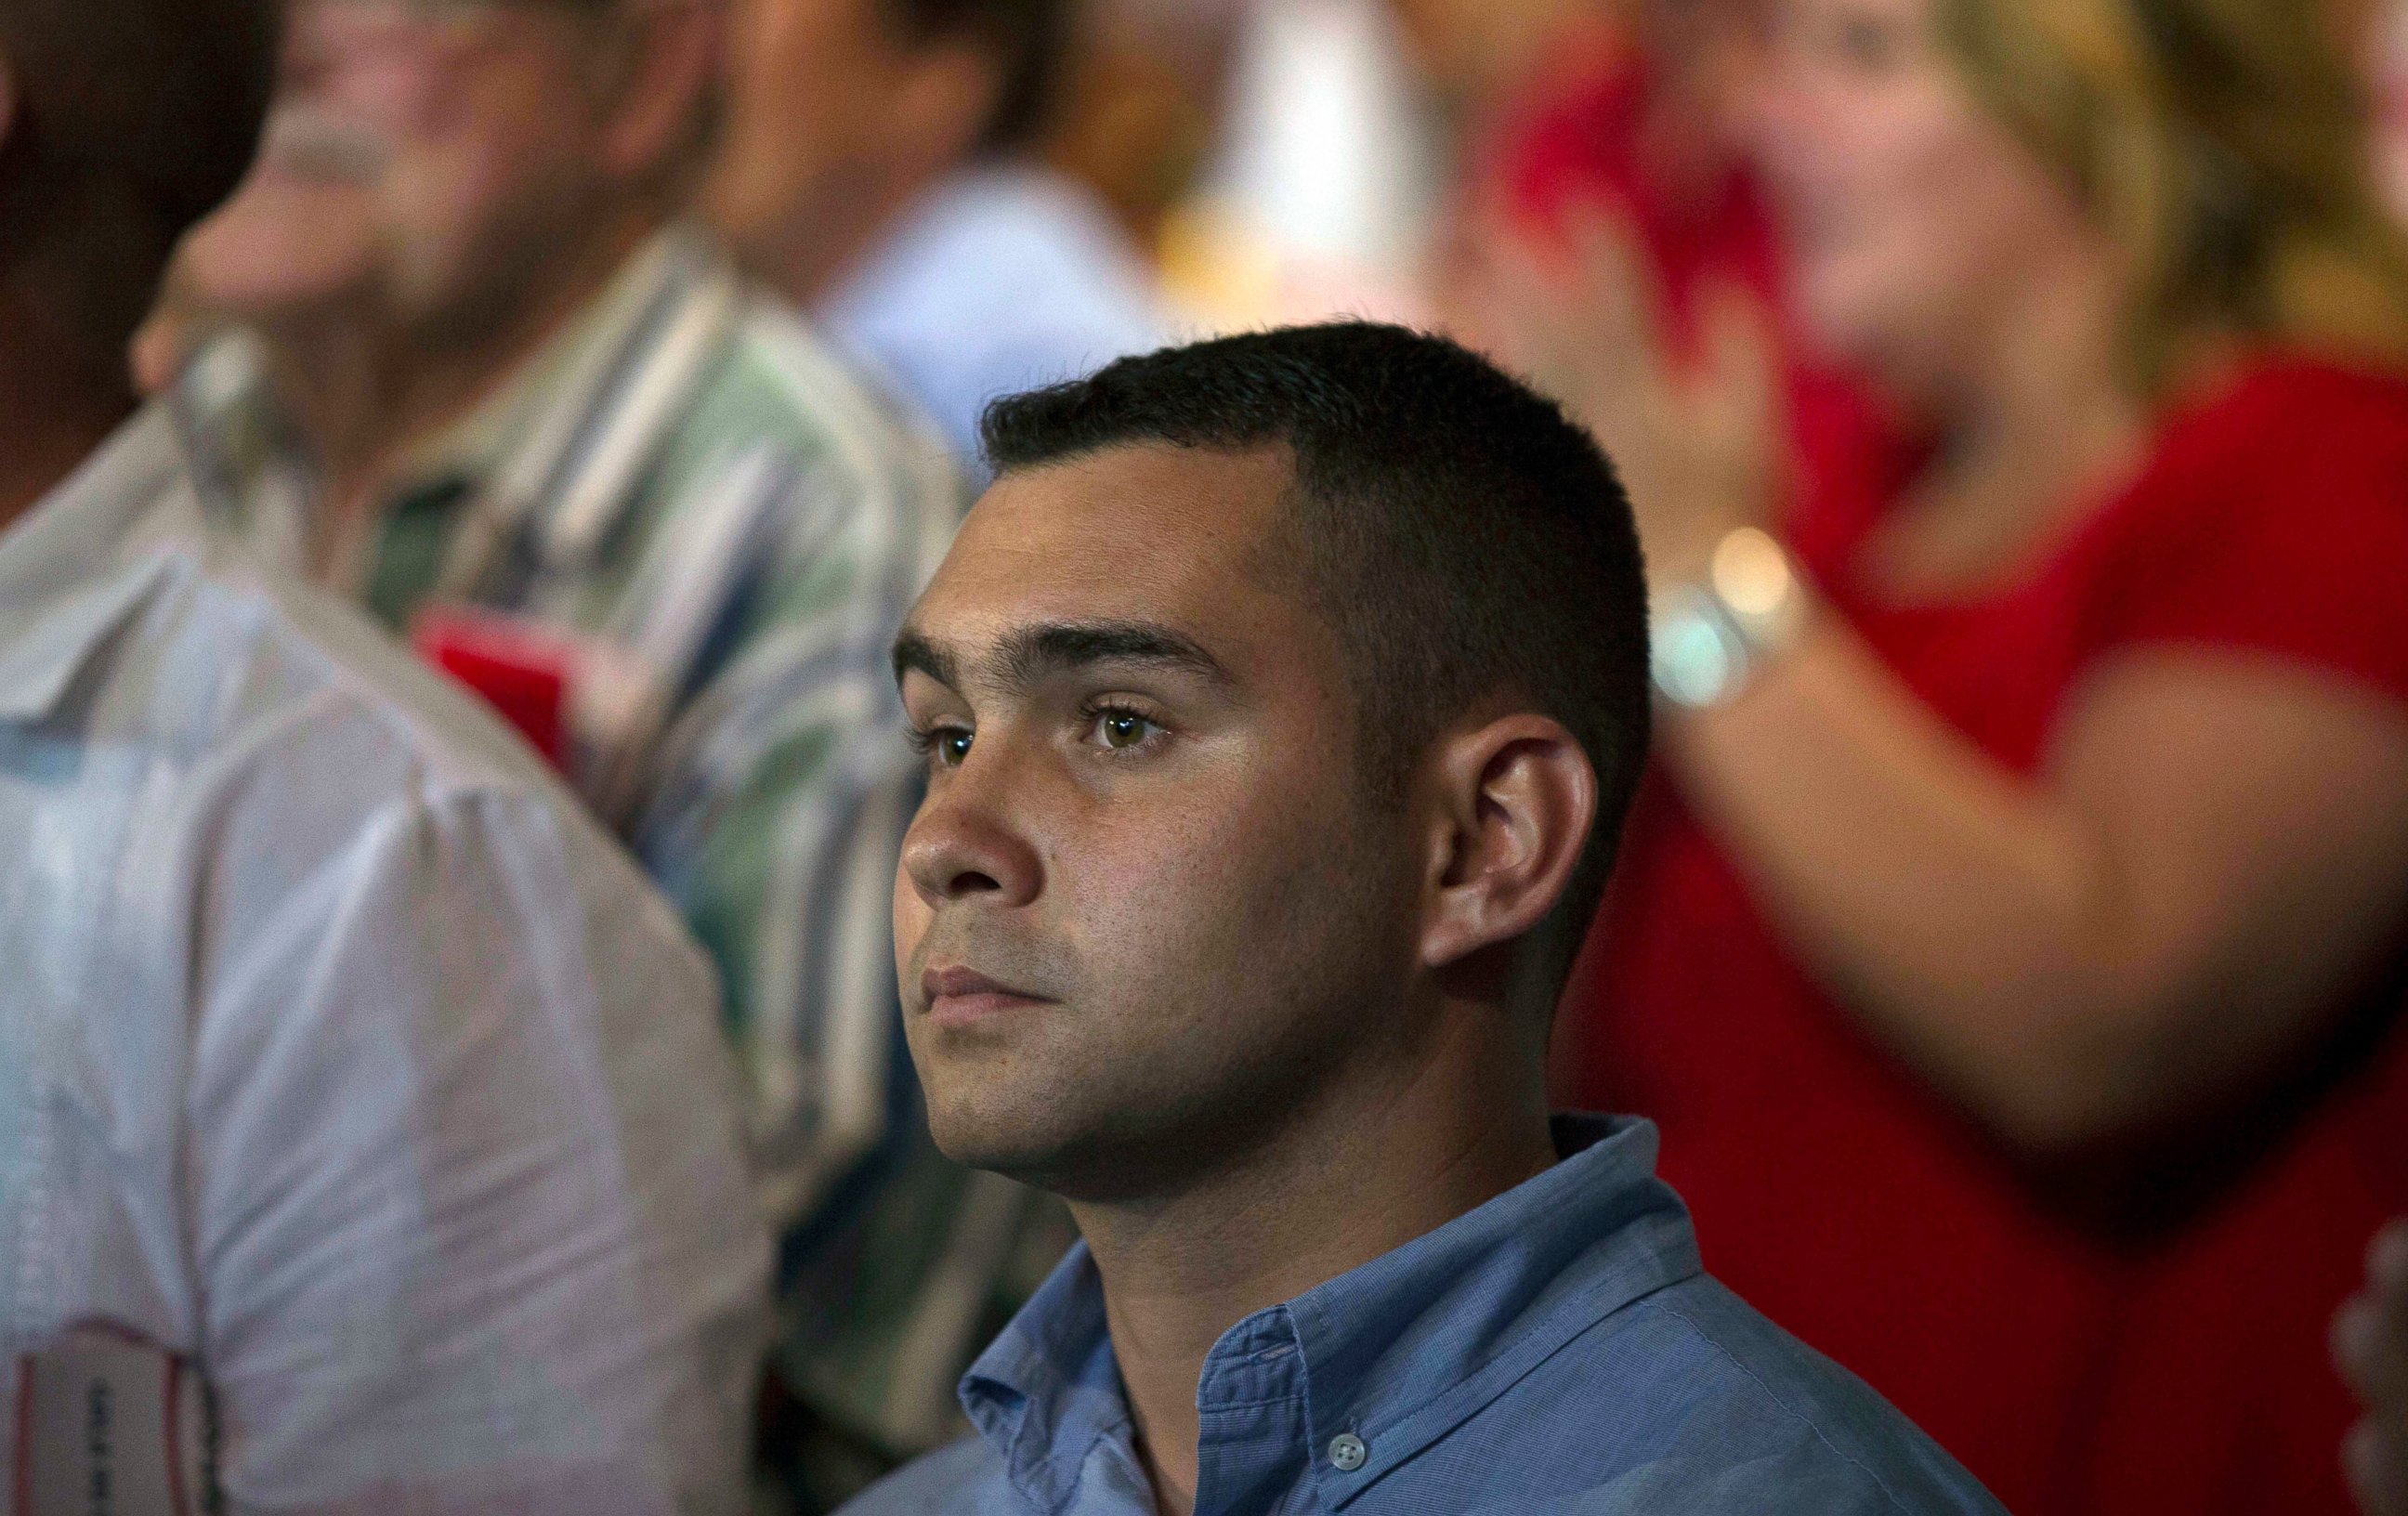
[1146,913]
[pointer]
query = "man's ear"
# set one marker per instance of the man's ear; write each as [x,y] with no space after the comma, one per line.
[1516,799]
[668,76]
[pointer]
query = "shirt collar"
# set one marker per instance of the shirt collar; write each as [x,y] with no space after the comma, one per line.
[1398,1351]
[69,576]
[1048,1390]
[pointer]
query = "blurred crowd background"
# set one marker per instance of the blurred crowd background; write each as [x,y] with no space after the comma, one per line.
[2016,985]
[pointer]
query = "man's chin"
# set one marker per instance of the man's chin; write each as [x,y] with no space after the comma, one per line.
[1038,1143]
[1079,1152]
[285,242]
[1029,1165]
[990,1141]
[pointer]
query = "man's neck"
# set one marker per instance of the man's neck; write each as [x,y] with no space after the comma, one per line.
[823,248]
[1369,1169]
[416,390]
[326,368]
[56,409]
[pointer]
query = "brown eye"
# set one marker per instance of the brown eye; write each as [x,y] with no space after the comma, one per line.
[1121,730]
[944,745]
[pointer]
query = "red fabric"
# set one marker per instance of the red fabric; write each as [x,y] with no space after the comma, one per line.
[522,672]
[2075,1367]
[1583,142]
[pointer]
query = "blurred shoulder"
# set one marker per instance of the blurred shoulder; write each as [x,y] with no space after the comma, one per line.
[2261,411]
[296,677]
[1010,255]
[1004,278]
[158,631]
[789,365]
[1780,1427]
[964,1480]
[269,742]
[857,445]
[279,733]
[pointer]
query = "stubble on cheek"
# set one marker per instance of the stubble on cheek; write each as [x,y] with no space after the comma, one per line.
[1214,972]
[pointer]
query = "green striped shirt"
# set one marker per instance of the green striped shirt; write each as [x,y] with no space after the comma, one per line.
[723,527]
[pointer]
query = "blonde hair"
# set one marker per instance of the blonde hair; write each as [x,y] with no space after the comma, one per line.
[2222,145]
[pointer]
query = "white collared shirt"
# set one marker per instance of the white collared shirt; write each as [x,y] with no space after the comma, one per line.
[342,1061]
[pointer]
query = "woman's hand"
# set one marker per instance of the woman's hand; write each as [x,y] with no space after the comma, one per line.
[2371,1347]
[1694,436]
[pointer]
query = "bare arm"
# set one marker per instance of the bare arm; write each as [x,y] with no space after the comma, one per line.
[2217,844]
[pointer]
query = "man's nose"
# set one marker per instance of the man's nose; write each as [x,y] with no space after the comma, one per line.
[965,844]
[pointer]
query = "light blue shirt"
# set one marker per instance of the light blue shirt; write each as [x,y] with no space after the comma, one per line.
[1001,278]
[1557,1351]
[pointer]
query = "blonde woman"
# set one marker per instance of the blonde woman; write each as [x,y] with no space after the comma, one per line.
[2012,946]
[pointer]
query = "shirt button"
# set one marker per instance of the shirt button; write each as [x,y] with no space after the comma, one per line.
[1347,1452]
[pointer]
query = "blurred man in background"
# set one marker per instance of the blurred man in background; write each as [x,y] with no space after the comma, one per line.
[366,1139]
[877,167]
[481,379]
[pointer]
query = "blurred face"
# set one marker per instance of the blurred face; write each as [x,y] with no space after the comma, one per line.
[427,150]
[1476,48]
[1917,225]
[814,87]
[1141,912]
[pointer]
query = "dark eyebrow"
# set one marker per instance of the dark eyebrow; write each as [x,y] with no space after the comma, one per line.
[1032,654]
[912,651]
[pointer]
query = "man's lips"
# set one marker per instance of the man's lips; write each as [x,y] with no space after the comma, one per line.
[965,995]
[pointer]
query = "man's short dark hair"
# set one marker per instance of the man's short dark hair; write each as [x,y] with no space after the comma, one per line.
[1462,537]
[134,119]
[1028,40]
